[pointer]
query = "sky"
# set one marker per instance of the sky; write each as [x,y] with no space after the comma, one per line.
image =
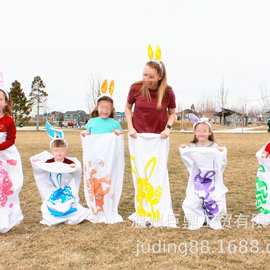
[203,42]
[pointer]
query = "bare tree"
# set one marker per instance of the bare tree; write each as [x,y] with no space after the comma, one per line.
[206,105]
[222,99]
[38,96]
[242,108]
[241,105]
[93,93]
[265,98]
[180,112]
[179,107]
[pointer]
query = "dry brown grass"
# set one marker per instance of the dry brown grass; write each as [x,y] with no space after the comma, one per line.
[98,246]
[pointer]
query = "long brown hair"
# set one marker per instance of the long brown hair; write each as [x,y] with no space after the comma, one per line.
[94,113]
[210,137]
[162,84]
[8,108]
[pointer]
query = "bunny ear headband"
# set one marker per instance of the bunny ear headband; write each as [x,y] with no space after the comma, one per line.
[106,89]
[196,120]
[54,134]
[2,86]
[155,58]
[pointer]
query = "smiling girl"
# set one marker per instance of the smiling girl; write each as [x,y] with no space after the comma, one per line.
[102,118]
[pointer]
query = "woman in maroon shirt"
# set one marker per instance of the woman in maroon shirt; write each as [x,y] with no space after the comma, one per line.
[154,103]
[154,112]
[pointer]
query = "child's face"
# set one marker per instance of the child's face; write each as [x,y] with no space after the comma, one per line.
[150,77]
[104,109]
[59,153]
[3,102]
[202,132]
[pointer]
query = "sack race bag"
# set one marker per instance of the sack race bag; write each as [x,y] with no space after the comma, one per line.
[205,194]
[262,189]
[104,163]
[149,157]
[11,181]
[58,184]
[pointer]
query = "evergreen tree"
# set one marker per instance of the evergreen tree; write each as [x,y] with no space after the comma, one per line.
[21,106]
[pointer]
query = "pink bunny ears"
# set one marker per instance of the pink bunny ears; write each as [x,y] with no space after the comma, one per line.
[197,120]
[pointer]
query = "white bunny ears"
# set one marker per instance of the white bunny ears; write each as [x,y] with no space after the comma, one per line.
[197,120]
[2,85]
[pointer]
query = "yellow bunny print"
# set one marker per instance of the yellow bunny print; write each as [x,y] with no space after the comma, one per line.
[146,193]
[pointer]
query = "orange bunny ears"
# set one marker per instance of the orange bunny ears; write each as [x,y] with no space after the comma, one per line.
[106,89]
[154,57]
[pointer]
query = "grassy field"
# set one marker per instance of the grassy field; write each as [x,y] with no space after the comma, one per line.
[98,246]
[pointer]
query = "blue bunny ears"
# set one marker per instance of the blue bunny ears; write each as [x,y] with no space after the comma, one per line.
[54,133]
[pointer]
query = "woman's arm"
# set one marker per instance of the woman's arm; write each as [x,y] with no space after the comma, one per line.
[172,116]
[128,112]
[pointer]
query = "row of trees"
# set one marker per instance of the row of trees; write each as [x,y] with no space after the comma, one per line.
[23,106]
[245,106]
